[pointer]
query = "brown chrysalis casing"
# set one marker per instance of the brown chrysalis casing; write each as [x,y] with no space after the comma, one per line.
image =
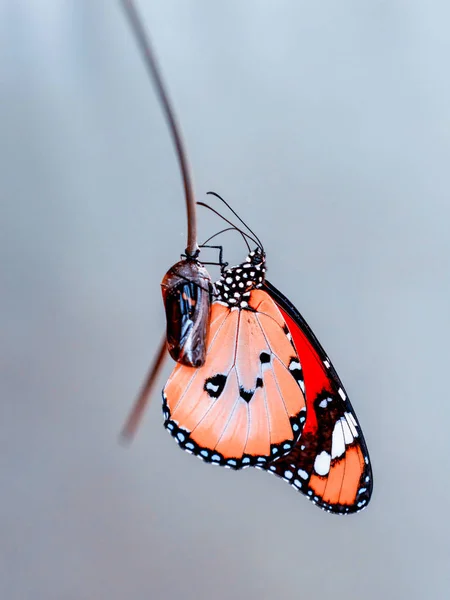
[187,291]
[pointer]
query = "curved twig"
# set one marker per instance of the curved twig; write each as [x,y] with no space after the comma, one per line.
[153,69]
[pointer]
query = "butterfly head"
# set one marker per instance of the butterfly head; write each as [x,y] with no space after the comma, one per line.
[257,258]
[236,283]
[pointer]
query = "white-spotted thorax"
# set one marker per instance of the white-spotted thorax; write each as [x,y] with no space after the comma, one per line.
[236,283]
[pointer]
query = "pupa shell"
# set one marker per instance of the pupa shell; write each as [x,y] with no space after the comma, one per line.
[187,292]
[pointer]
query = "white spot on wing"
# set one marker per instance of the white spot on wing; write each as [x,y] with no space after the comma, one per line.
[350,424]
[337,441]
[322,463]
[303,474]
[324,402]
[342,394]
[211,387]
[353,419]
[347,433]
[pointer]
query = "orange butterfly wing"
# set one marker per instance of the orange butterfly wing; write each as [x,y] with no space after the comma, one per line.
[245,405]
[330,462]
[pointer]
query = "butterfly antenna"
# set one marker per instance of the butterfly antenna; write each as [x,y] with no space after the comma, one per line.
[228,229]
[233,226]
[151,64]
[238,217]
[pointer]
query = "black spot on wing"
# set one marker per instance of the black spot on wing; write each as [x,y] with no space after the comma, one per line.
[246,395]
[264,357]
[214,385]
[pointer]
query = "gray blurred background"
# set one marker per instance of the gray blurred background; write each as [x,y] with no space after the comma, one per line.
[327,126]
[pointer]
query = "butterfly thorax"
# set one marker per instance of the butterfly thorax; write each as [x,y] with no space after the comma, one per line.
[236,283]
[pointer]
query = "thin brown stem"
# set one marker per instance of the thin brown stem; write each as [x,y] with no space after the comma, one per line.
[142,400]
[153,69]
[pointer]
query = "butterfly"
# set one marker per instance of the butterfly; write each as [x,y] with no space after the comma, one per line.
[268,396]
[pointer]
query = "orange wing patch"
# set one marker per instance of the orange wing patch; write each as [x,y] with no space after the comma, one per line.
[342,483]
[244,406]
